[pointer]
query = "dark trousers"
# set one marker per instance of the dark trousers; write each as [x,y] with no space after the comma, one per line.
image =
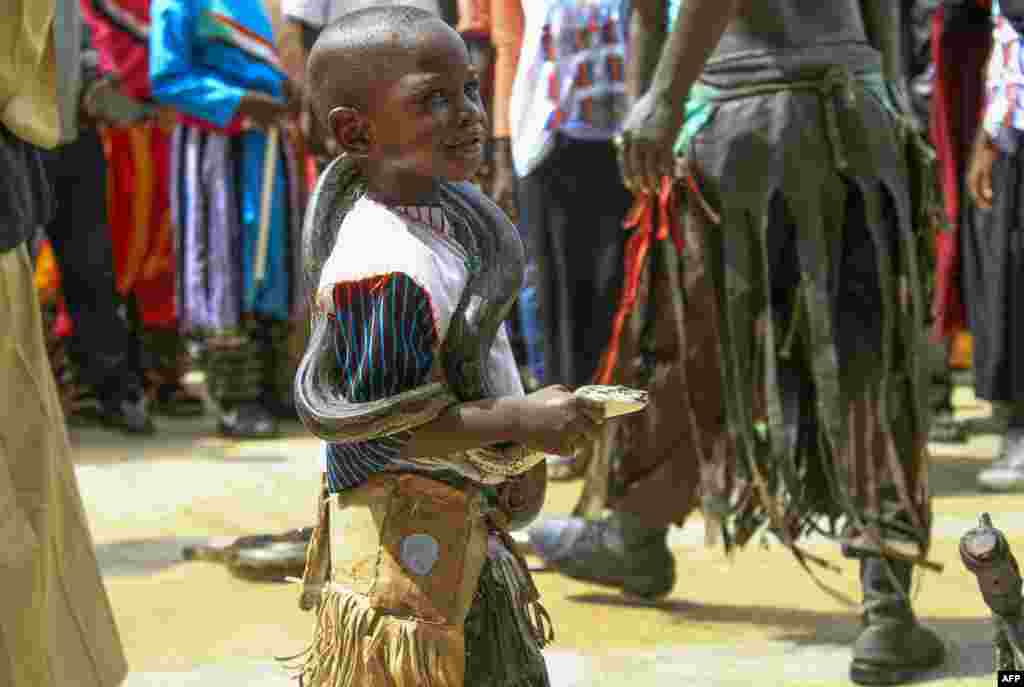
[571,210]
[992,244]
[102,346]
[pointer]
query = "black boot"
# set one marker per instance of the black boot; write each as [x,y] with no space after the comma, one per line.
[617,551]
[234,367]
[165,362]
[275,338]
[127,412]
[248,420]
[893,648]
[946,429]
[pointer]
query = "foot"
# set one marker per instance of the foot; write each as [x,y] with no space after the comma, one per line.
[894,653]
[946,430]
[616,551]
[81,406]
[1007,472]
[565,468]
[128,416]
[893,648]
[281,410]
[173,400]
[248,421]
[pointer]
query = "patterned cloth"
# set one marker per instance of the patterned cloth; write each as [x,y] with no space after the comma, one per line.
[204,56]
[215,201]
[142,238]
[1005,78]
[120,34]
[570,77]
[138,157]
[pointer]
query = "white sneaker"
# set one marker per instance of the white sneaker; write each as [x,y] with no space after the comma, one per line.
[1007,472]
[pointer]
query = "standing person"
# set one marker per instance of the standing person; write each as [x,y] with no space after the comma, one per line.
[138,154]
[961,41]
[797,155]
[993,254]
[500,22]
[217,64]
[56,625]
[568,102]
[410,376]
[103,345]
[920,69]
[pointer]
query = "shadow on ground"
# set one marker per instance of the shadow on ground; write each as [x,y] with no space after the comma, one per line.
[177,439]
[953,476]
[143,556]
[968,640]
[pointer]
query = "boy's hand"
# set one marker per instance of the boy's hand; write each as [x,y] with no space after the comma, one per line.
[555,421]
[265,111]
[979,173]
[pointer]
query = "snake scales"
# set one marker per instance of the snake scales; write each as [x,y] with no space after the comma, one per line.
[485,303]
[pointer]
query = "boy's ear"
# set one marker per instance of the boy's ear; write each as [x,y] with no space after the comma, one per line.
[351,129]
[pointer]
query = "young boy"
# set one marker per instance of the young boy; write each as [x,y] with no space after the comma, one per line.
[424,588]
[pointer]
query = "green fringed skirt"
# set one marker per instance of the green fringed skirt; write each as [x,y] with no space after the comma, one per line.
[817,274]
[501,650]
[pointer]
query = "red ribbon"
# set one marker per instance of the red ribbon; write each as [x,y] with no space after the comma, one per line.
[652,218]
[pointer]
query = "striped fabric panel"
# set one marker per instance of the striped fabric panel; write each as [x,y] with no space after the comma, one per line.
[384,341]
[219,26]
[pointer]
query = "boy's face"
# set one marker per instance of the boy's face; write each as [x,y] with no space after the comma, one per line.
[429,123]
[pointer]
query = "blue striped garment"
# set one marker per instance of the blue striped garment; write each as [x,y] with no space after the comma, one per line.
[384,340]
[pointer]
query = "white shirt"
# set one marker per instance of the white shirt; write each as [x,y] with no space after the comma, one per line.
[316,13]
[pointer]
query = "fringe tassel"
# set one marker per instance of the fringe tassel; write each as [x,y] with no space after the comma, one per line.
[652,217]
[502,649]
[318,555]
[356,645]
[519,580]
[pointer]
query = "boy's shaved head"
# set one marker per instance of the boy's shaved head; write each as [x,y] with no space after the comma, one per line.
[362,50]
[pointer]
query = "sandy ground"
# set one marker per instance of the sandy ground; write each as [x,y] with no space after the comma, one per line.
[147,498]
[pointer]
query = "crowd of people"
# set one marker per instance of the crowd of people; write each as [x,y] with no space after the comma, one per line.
[732,205]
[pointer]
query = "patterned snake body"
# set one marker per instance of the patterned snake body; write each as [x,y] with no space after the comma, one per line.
[488,297]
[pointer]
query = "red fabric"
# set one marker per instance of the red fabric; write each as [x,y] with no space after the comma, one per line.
[140,224]
[233,128]
[647,227]
[121,51]
[63,326]
[957,106]
[311,175]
